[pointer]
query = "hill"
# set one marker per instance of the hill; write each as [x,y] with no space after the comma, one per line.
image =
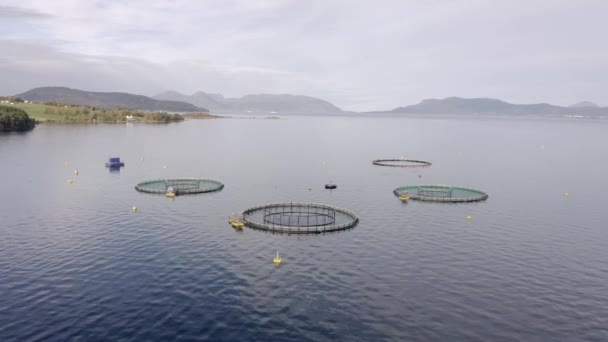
[105,100]
[262,103]
[199,99]
[584,104]
[457,105]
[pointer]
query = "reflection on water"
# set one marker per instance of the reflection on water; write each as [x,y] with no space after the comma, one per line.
[77,262]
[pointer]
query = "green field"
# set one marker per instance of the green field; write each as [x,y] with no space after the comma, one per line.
[82,114]
[34,110]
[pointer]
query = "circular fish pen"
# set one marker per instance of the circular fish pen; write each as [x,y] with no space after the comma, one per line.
[299,218]
[181,186]
[401,163]
[440,193]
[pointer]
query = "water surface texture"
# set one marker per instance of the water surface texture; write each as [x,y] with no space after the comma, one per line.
[531,265]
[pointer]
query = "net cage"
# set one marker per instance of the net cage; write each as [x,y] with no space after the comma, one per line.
[299,218]
[440,193]
[401,162]
[181,186]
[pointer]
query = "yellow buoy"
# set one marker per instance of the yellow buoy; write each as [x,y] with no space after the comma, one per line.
[237,225]
[134,209]
[76,172]
[278,260]
[566,194]
[164,166]
[469,218]
[70,181]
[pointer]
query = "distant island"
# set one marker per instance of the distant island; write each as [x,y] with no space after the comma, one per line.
[458,105]
[201,116]
[584,104]
[106,100]
[254,104]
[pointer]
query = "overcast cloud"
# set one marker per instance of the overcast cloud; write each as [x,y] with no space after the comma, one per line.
[360,55]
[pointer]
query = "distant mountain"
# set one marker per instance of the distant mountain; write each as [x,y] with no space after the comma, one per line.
[263,103]
[584,104]
[106,100]
[200,99]
[457,105]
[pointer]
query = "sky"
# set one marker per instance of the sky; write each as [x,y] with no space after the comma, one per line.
[359,55]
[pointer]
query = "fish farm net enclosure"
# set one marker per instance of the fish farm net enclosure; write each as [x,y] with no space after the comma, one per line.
[440,193]
[299,218]
[182,186]
[401,162]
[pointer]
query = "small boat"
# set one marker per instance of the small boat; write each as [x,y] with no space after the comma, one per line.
[330,186]
[114,162]
[129,117]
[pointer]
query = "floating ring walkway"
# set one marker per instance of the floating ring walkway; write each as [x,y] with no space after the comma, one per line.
[401,163]
[299,218]
[440,193]
[180,186]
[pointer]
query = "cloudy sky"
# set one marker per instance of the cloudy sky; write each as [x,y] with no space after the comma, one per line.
[360,55]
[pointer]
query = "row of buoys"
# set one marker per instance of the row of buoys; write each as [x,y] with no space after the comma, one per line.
[70,181]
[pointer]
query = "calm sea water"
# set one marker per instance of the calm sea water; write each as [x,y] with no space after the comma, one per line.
[532,265]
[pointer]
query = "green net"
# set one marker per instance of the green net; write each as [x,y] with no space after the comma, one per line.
[440,193]
[181,186]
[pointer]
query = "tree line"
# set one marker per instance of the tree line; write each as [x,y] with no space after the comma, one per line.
[14,119]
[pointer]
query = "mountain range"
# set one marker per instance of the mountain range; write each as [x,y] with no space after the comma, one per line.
[172,101]
[106,100]
[458,105]
[261,103]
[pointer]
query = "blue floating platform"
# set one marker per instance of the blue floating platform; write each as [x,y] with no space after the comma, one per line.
[114,162]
